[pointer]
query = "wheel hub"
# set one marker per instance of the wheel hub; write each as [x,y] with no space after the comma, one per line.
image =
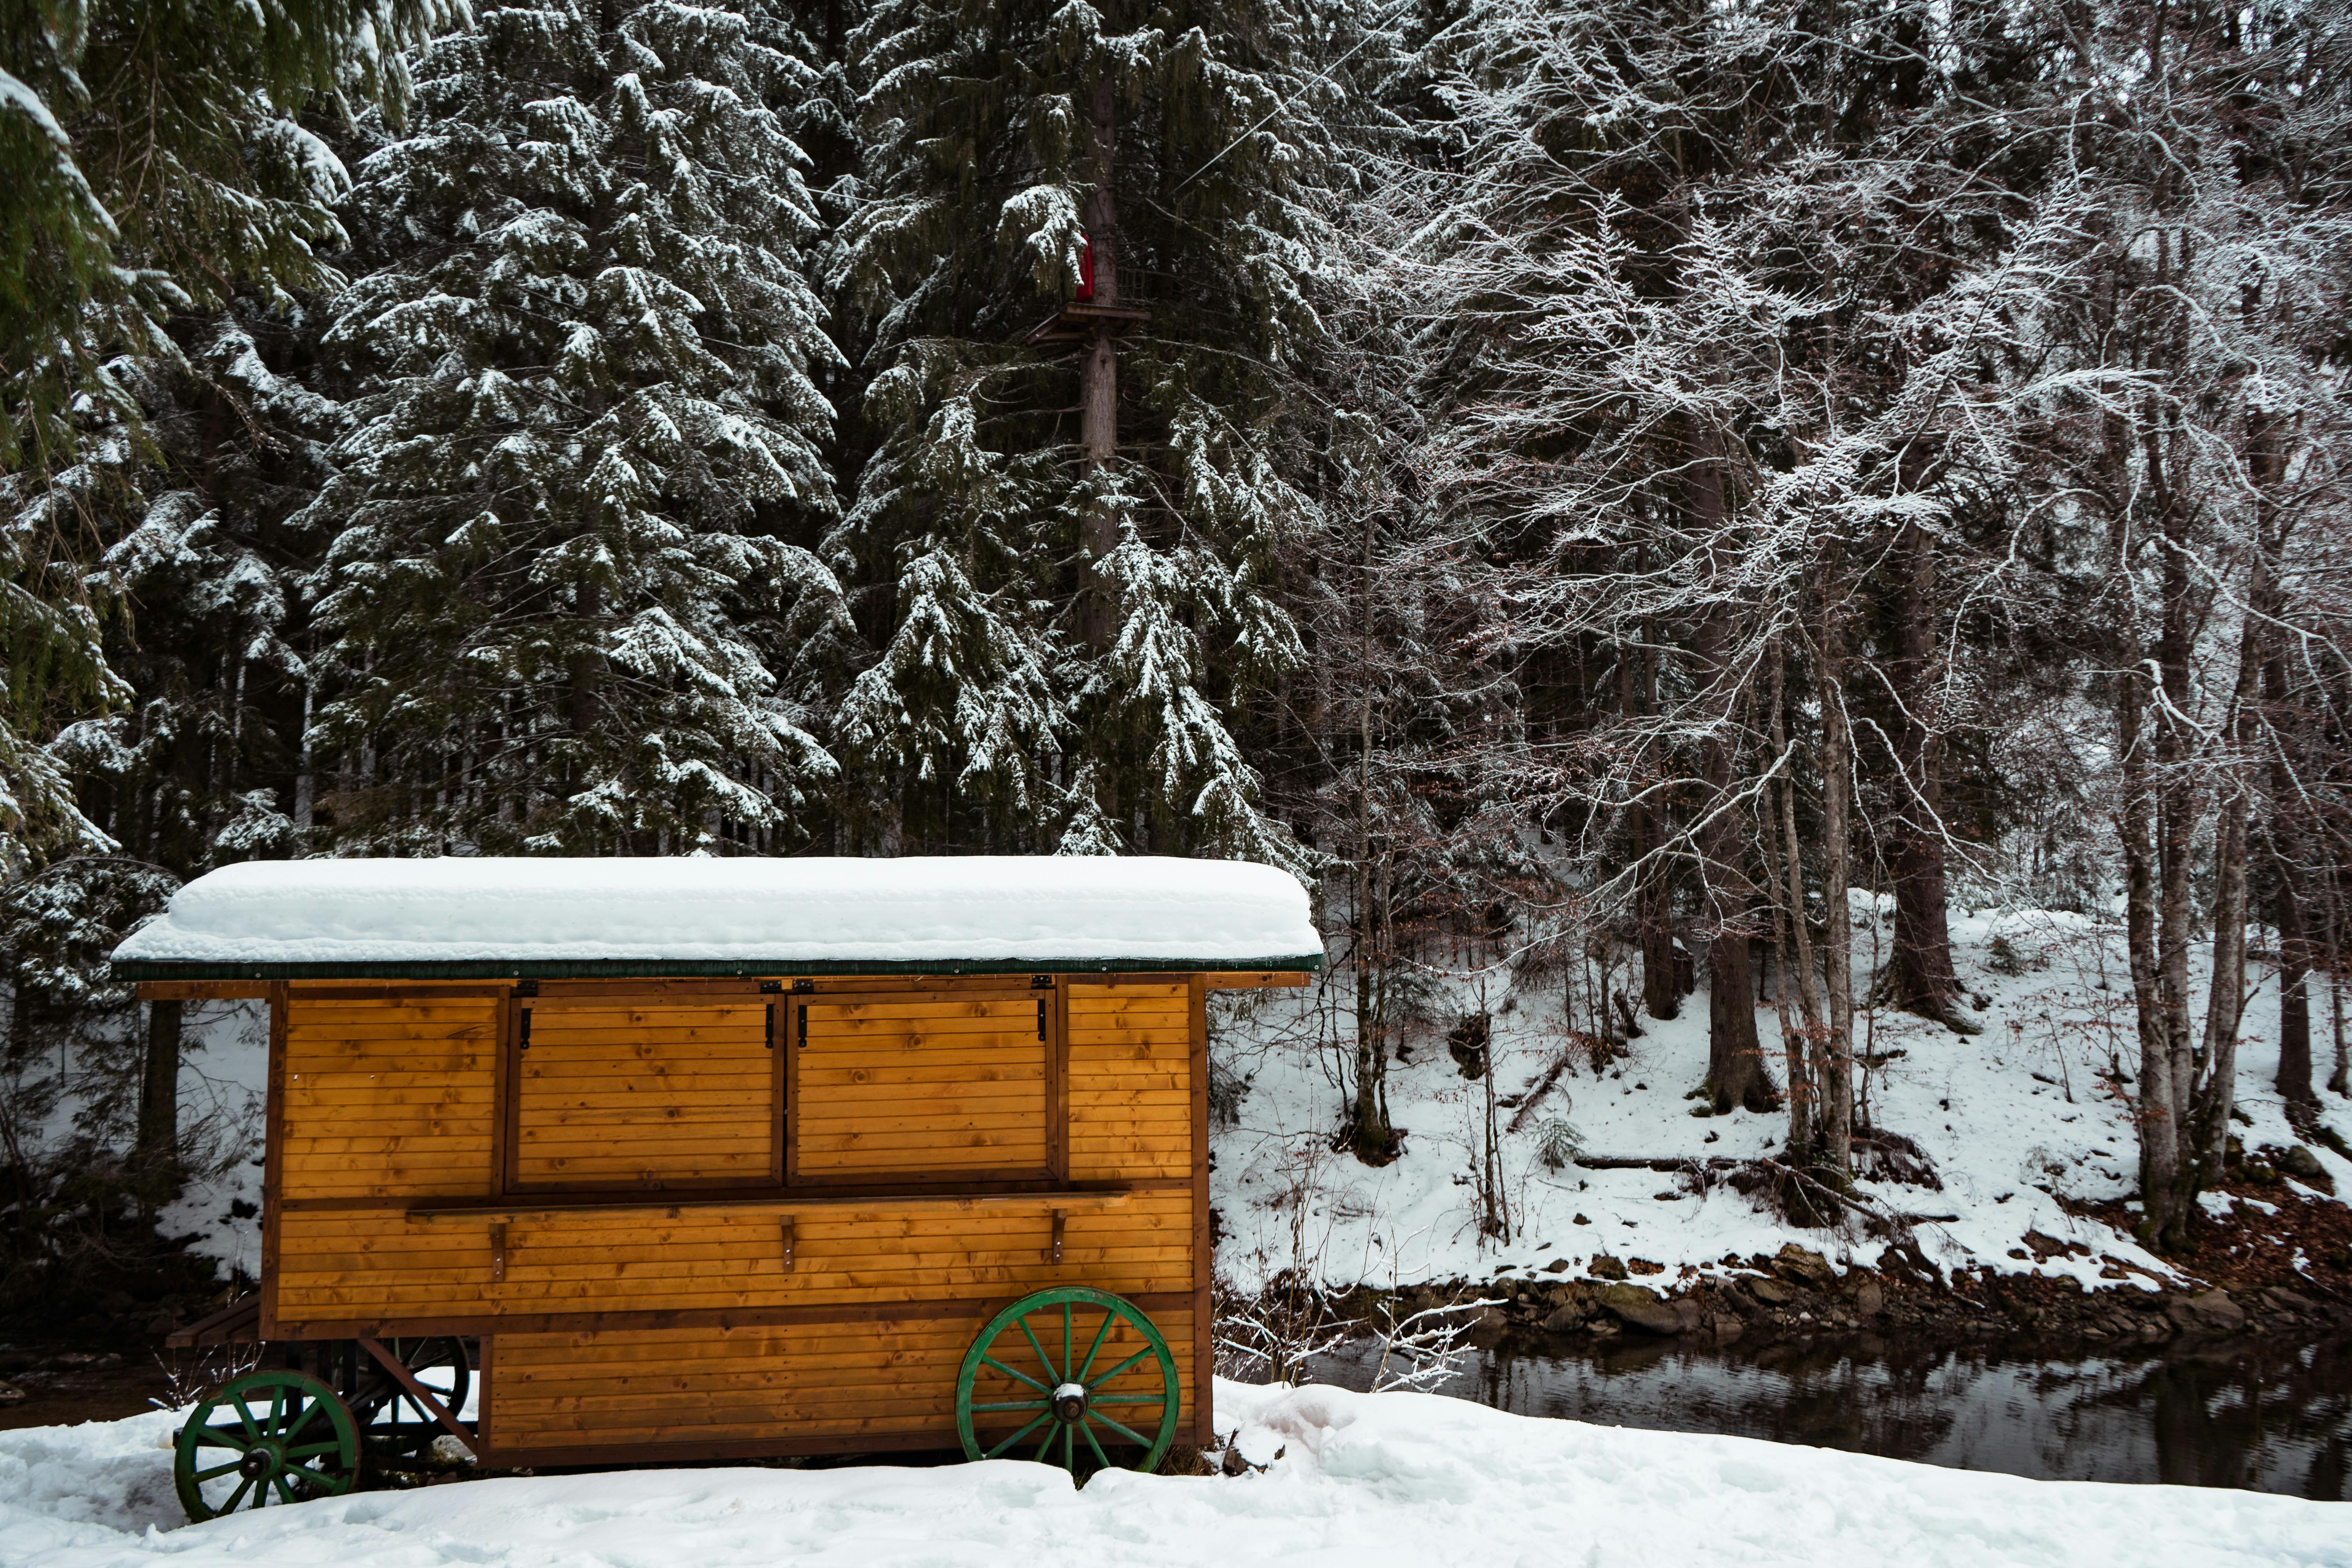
[1069,1402]
[259,1462]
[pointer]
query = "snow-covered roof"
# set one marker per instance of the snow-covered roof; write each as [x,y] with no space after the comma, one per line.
[477,917]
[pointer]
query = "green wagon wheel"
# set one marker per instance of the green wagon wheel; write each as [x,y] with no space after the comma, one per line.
[267,1437]
[1070,1376]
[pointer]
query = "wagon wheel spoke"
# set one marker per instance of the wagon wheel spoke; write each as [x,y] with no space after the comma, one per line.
[1095,1399]
[1095,1348]
[1023,1376]
[1043,1359]
[285,1491]
[216,1471]
[1131,1434]
[1087,1425]
[1043,1418]
[1122,1366]
[1013,1405]
[220,1437]
[235,1497]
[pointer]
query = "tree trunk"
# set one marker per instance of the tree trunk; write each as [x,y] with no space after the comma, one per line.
[1374,1141]
[1662,995]
[2225,1000]
[1803,1094]
[1922,979]
[156,1147]
[2295,992]
[1098,371]
[1835,1076]
[2136,824]
[1735,1074]
[2282,834]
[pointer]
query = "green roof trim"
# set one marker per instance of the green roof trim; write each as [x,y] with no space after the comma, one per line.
[671,969]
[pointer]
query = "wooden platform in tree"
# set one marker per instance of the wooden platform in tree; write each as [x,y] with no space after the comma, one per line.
[1077,323]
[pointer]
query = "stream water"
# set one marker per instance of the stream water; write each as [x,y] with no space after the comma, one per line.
[2268,1416]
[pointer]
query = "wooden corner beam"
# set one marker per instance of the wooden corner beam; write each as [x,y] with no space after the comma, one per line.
[422,1394]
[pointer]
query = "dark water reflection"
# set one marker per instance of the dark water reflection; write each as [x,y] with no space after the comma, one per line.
[2265,1416]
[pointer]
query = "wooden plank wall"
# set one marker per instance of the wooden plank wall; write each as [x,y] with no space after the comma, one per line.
[920,1086]
[389,1099]
[1131,1082]
[692,1318]
[617,1092]
[354,1268]
[594,1396]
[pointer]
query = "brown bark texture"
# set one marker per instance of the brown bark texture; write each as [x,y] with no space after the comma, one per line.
[1736,1073]
[1098,368]
[157,1143]
[1922,979]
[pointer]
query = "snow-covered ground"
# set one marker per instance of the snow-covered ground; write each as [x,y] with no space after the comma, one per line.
[1348,1480]
[2014,1119]
[224,1081]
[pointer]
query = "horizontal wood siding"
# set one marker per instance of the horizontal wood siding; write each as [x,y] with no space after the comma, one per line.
[920,1086]
[389,1099]
[845,1383]
[650,1092]
[1131,1082]
[335,1267]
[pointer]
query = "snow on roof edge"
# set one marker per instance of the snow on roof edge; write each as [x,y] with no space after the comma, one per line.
[466,917]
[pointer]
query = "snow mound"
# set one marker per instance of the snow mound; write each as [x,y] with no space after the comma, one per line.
[961,909]
[1348,1480]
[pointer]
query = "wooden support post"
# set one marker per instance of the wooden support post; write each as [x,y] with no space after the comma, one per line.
[788,1243]
[498,1254]
[423,1395]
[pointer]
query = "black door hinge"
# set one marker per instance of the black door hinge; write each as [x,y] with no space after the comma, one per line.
[803,986]
[769,987]
[1041,1020]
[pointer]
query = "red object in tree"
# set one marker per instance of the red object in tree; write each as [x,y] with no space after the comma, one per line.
[1086,270]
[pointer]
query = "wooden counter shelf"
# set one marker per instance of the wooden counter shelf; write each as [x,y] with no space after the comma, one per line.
[1091,1200]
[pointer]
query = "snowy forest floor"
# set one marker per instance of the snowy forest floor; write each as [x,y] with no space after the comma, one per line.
[1336,1478]
[2025,1125]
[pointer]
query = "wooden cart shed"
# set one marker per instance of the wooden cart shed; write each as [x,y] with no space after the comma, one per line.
[733,1157]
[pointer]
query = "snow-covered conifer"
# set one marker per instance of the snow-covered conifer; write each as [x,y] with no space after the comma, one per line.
[1185,161]
[558,607]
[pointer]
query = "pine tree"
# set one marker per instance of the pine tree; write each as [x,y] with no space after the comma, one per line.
[204,766]
[1185,159]
[151,162]
[557,609]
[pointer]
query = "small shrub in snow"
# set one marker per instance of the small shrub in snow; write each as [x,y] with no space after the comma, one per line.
[1558,1144]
